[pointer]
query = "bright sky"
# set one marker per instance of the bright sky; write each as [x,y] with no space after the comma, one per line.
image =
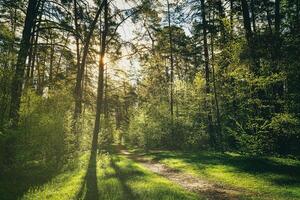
[126,30]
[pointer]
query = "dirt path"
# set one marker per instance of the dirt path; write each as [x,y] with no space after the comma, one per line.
[209,190]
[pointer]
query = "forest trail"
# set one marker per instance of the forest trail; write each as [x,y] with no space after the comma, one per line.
[206,188]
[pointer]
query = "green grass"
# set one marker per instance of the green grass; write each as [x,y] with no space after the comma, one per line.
[266,178]
[130,180]
[112,177]
[15,182]
[115,177]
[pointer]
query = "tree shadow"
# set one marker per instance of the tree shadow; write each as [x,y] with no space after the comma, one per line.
[89,187]
[264,167]
[14,183]
[123,177]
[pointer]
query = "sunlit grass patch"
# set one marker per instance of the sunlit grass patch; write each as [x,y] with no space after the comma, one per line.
[117,178]
[275,178]
[140,183]
[109,186]
[64,186]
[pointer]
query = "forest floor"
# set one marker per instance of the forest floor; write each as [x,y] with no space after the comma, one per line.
[228,175]
[203,187]
[159,175]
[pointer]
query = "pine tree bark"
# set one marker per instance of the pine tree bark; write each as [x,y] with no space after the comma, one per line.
[246,20]
[219,135]
[207,73]
[18,79]
[255,63]
[80,70]
[100,90]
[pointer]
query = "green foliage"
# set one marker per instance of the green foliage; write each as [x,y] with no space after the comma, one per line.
[285,129]
[144,131]
[44,127]
[106,138]
[152,127]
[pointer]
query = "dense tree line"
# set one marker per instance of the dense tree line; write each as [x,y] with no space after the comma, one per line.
[228,68]
[50,55]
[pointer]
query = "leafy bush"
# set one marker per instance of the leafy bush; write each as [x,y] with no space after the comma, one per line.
[45,134]
[285,133]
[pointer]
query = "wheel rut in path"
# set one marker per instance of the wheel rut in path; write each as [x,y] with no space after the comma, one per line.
[205,188]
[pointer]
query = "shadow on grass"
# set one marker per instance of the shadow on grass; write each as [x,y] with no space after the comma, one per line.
[89,187]
[14,183]
[124,175]
[264,167]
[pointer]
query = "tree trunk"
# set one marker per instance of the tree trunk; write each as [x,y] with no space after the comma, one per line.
[78,66]
[80,70]
[100,89]
[51,59]
[277,17]
[269,18]
[35,45]
[255,63]
[172,64]
[18,79]
[253,16]
[221,18]
[30,54]
[106,112]
[219,126]
[246,20]
[231,16]
[207,72]
[298,14]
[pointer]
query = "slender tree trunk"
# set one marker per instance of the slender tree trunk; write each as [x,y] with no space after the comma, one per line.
[221,18]
[106,113]
[277,17]
[78,66]
[207,72]
[278,88]
[231,15]
[35,45]
[78,94]
[100,78]
[51,60]
[220,134]
[253,15]
[246,20]
[18,79]
[172,65]
[269,18]
[35,49]
[255,63]
[77,35]
[30,54]
[298,14]
[80,70]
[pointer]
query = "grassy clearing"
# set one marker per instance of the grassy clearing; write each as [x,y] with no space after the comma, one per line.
[116,178]
[268,178]
[125,179]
